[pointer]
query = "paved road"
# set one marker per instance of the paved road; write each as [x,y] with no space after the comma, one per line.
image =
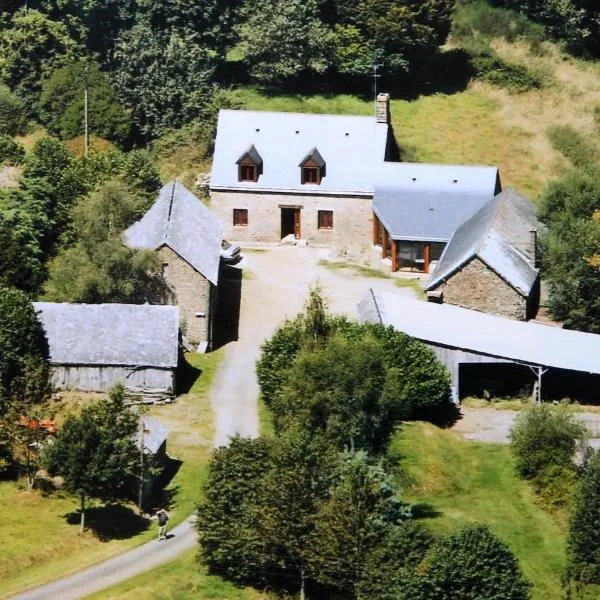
[275,288]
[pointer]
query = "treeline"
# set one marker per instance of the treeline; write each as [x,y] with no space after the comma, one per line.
[317,507]
[154,65]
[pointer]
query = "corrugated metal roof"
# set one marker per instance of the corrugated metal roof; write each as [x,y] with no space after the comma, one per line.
[180,220]
[351,146]
[456,327]
[499,234]
[111,334]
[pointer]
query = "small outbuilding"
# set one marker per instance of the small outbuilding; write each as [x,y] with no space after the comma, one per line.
[187,237]
[93,347]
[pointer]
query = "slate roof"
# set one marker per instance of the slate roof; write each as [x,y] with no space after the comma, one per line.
[111,334]
[499,235]
[155,433]
[252,154]
[423,202]
[471,330]
[352,146]
[179,220]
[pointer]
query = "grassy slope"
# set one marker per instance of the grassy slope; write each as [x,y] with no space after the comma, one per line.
[43,545]
[468,482]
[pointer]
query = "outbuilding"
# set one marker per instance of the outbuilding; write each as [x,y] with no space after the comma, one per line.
[93,347]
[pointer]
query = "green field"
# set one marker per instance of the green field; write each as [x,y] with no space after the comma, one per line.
[453,482]
[43,532]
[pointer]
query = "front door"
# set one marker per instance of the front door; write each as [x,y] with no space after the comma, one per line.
[291,222]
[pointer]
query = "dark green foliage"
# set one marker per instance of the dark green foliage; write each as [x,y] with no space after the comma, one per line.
[578,148]
[13,116]
[11,151]
[471,564]
[32,47]
[583,546]
[573,238]
[98,267]
[164,79]
[95,452]
[544,437]
[490,67]
[359,524]
[23,349]
[62,103]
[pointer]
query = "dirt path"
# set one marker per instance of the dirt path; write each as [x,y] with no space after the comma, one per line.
[275,286]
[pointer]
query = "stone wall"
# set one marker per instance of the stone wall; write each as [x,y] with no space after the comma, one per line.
[193,293]
[476,286]
[352,218]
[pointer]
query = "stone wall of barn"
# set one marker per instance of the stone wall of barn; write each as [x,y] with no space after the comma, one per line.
[476,286]
[193,293]
[94,378]
[352,218]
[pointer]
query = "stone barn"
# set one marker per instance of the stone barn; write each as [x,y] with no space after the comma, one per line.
[490,263]
[95,346]
[187,237]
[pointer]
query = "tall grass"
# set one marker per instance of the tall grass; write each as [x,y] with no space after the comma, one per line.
[574,145]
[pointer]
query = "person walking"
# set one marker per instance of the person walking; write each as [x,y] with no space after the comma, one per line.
[163,519]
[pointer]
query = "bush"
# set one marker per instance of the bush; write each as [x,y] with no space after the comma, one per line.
[575,146]
[11,151]
[471,564]
[13,116]
[491,68]
[543,438]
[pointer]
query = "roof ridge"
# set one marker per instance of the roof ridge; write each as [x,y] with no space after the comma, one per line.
[491,220]
[171,200]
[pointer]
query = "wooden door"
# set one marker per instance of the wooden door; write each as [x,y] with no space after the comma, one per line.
[297,224]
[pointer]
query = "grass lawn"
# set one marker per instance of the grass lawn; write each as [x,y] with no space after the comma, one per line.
[454,482]
[182,579]
[41,534]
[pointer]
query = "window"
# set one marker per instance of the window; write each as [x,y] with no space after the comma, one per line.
[247,173]
[240,217]
[311,175]
[325,219]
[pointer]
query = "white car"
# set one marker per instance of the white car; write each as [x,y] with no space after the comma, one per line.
[230,253]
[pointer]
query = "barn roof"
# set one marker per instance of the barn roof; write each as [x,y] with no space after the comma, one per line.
[499,234]
[111,334]
[179,220]
[425,202]
[465,329]
[352,147]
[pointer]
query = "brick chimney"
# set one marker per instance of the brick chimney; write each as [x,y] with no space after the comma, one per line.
[533,253]
[383,108]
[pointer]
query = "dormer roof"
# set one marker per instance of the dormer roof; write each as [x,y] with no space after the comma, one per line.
[252,155]
[314,156]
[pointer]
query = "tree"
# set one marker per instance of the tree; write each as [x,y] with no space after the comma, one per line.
[31,48]
[572,240]
[283,40]
[23,349]
[473,564]
[583,544]
[13,116]
[544,437]
[95,452]
[164,79]
[361,516]
[12,152]
[62,103]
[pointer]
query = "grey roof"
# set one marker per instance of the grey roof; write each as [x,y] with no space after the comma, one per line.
[251,153]
[179,220]
[315,156]
[352,146]
[111,334]
[499,235]
[475,331]
[428,202]
[155,433]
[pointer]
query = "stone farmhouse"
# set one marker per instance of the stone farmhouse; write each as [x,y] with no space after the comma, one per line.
[187,236]
[95,346]
[335,181]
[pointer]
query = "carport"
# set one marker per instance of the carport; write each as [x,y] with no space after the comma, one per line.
[461,336]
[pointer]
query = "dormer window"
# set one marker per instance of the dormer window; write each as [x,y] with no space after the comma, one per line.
[249,165]
[312,168]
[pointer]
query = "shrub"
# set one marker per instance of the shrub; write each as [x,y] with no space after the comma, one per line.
[543,438]
[491,68]
[575,146]
[11,151]
[583,545]
[13,116]
[471,563]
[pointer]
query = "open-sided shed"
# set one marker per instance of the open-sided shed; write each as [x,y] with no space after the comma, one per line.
[95,346]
